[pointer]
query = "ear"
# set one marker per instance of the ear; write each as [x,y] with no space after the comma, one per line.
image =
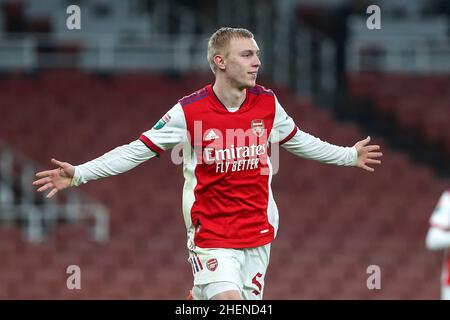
[219,61]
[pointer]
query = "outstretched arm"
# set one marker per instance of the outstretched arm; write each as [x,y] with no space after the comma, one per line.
[117,161]
[168,132]
[307,146]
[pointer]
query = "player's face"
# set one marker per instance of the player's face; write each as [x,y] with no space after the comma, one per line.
[242,62]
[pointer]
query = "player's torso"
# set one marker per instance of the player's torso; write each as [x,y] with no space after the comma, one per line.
[232,168]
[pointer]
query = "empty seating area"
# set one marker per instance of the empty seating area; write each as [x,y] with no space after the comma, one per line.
[416,103]
[334,221]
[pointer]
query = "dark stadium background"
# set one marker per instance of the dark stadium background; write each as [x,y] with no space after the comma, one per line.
[76,94]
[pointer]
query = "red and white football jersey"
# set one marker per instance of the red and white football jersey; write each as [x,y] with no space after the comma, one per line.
[227,197]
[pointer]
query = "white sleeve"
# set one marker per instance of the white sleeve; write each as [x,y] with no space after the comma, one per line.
[118,160]
[165,134]
[307,146]
[304,145]
[169,131]
[284,126]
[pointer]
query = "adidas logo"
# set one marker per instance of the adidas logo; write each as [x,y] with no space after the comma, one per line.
[211,136]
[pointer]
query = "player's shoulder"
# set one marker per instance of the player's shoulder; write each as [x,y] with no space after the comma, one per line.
[444,199]
[258,90]
[446,194]
[194,97]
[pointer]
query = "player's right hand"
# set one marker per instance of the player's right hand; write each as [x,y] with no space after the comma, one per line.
[56,179]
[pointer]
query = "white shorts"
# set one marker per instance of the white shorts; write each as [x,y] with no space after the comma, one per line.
[229,269]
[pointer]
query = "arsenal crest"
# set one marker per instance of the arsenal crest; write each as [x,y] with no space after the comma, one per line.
[211,264]
[258,127]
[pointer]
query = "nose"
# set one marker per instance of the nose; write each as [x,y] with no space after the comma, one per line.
[256,62]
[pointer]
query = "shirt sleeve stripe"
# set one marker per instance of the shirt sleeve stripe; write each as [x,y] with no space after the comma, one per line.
[151,145]
[289,136]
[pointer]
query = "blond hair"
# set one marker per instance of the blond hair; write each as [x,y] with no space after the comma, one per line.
[220,39]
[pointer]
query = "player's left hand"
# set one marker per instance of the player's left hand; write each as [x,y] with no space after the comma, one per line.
[367,154]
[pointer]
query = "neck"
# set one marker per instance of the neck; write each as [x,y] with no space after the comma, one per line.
[230,96]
